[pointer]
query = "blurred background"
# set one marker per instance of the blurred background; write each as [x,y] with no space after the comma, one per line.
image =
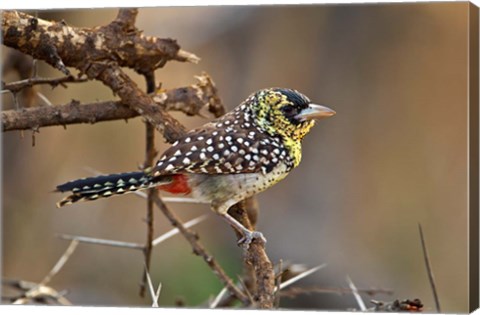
[395,155]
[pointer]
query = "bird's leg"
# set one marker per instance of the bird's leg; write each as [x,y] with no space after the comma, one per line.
[248,236]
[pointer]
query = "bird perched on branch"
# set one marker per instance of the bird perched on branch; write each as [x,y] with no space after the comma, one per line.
[225,161]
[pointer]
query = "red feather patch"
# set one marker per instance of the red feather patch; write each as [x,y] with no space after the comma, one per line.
[179,185]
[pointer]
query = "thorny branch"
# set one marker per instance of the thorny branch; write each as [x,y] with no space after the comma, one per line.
[25,67]
[99,53]
[120,42]
[190,100]
[130,245]
[199,250]
[256,256]
[295,291]
[17,86]
[150,154]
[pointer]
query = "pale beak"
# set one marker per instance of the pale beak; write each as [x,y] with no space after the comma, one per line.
[314,111]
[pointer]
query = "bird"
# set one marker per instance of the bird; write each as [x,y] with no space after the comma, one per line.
[225,161]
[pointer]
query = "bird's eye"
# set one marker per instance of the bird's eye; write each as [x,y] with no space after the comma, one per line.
[288,110]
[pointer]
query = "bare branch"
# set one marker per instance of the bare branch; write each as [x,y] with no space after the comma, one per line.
[150,154]
[53,82]
[114,243]
[60,263]
[245,289]
[99,53]
[292,292]
[428,265]
[56,42]
[99,241]
[189,99]
[256,256]
[34,291]
[199,250]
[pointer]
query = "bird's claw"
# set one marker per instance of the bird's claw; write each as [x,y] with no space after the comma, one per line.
[249,236]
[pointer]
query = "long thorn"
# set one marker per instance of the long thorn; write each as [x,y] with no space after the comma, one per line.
[114,243]
[218,298]
[100,241]
[175,231]
[155,295]
[44,99]
[301,276]
[355,293]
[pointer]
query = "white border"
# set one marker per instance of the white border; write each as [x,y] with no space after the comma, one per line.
[72,4]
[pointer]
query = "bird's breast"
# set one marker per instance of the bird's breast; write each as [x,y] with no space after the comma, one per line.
[234,186]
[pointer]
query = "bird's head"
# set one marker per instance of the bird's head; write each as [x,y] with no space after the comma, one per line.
[286,112]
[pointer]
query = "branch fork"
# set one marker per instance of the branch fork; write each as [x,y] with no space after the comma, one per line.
[100,53]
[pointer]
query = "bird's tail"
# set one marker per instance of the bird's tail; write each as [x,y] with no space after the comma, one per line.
[104,186]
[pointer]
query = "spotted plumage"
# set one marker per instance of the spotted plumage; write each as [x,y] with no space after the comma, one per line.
[225,161]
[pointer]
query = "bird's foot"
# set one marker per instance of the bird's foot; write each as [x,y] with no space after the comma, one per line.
[249,237]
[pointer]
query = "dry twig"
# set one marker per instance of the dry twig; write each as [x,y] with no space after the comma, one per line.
[294,291]
[100,53]
[17,86]
[428,265]
[61,262]
[115,243]
[199,250]
[190,100]
[150,154]
[40,291]
[256,256]
[100,241]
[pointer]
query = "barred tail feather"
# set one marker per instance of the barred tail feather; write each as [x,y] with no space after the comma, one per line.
[104,186]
